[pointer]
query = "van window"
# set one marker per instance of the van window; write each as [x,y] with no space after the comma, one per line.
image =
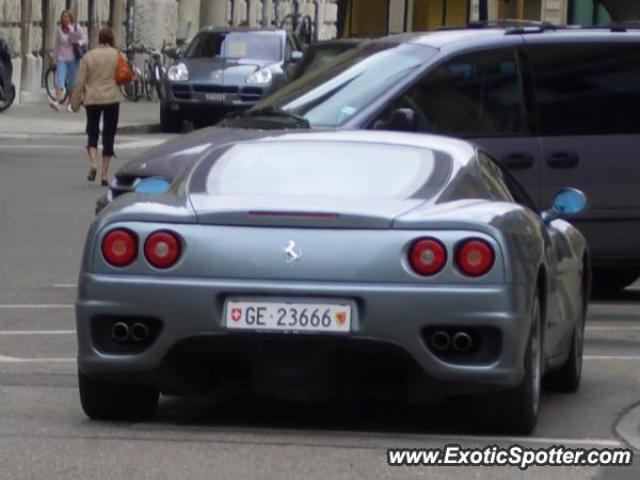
[478,94]
[587,89]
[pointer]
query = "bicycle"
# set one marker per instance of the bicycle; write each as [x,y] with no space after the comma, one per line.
[133,90]
[50,81]
[153,73]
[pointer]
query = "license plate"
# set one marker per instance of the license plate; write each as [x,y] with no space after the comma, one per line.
[285,316]
[214,97]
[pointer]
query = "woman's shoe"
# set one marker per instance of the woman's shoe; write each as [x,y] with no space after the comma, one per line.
[92,174]
[104,183]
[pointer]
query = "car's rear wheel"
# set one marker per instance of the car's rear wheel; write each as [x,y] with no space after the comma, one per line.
[108,400]
[515,411]
[611,280]
[170,122]
[567,377]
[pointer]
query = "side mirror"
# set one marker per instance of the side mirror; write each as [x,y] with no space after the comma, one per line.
[567,203]
[296,56]
[401,120]
[173,53]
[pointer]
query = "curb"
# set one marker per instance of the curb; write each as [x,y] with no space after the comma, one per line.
[628,427]
[139,129]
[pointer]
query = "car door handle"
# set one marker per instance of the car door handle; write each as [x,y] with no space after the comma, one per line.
[517,161]
[563,160]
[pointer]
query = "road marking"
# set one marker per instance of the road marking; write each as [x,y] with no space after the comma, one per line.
[35,306]
[65,285]
[146,143]
[37,332]
[613,327]
[611,357]
[6,359]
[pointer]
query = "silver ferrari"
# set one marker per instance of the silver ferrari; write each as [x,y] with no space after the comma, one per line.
[334,264]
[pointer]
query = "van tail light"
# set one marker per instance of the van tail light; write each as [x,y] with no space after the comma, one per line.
[162,249]
[475,257]
[427,256]
[120,247]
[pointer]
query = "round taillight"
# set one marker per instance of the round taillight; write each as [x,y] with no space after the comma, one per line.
[162,249]
[427,256]
[475,257]
[120,247]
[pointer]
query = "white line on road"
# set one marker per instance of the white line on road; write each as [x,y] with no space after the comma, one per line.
[27,306]
[613,327]
[612,357]
[65,285]
[5,359]
[146,143]
[37,332]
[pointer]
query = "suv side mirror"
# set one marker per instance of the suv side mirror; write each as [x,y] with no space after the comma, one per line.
[401,120]
[567,203]
[296,56]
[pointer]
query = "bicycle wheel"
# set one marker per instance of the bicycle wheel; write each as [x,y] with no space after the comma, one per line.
[133,89]
[50,84]
[148,87]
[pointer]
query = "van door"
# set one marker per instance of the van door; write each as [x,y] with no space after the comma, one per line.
[588,100]
[478,96]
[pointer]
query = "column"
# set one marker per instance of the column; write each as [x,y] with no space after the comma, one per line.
[213,13]
[118,18]
[189,18]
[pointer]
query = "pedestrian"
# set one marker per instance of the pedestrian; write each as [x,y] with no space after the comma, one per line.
[71,43]
[96,88]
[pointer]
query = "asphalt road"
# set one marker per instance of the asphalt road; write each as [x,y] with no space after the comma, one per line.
[46,206]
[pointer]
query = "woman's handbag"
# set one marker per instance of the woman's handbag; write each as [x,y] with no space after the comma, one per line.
[78,48]
[124,74]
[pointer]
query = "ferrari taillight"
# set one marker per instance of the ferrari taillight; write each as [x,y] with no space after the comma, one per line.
[120,247]
[474,257]
[162,249]
[427,256]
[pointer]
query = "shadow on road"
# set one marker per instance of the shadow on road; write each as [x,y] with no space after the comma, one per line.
[356,417]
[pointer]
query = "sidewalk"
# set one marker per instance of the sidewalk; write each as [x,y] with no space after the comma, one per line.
[40,118]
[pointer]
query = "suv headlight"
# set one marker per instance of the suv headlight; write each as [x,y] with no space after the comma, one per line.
[260,77]
[178,72]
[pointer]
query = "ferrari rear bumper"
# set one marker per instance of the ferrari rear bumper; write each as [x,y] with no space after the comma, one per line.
[390,329]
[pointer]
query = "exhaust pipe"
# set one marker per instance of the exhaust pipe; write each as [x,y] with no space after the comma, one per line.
[120,332]
[462,342]
[440,341]
[139,332]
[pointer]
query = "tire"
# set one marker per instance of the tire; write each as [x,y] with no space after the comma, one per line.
[7,96]
[170,122]
[108,400]
[612,280]
[50,84]
[515,411]
[567,378]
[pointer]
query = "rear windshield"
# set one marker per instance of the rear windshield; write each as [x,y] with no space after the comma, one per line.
[252,45]
[321,169]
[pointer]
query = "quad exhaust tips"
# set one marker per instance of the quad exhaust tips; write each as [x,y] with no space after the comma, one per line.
[462,342]
[139,332]
[121,332]
[442,341]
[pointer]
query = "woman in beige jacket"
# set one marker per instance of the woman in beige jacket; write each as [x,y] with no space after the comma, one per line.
[96,88]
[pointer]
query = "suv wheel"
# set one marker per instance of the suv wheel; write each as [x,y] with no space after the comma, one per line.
[170,122]
[109,400]
[611,280]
